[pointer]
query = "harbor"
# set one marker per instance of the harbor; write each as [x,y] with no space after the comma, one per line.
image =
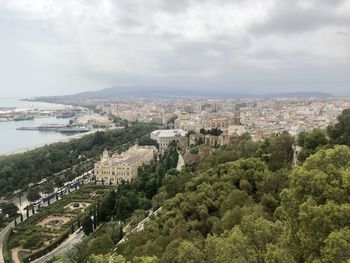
[19,110]
[69,128]
[15,114]
[51,123]
[21,140]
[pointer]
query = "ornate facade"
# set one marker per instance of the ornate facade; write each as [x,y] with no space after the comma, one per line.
[123,167]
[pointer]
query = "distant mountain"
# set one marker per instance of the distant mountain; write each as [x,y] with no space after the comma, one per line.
[147,92]
[300,94]
[126,92]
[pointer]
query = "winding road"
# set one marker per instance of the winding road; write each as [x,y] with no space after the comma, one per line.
[2,237]
[65,246]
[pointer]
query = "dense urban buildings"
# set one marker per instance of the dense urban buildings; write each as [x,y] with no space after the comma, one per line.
[259,117]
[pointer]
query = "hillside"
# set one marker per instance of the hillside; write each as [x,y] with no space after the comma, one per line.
[243,203]
[242,212]
[150,92]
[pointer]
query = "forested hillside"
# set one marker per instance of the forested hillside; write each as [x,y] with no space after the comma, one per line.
[246,203]
[242,212]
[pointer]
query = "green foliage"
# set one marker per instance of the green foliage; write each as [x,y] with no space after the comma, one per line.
[107,258]
[214,132]
[79,253]
[137,194]
[34,242]
[47,188]
[276,254]
[314,139]
[316,202]
[129,200]
[58,181]
[101,245]
[212,202]
[244,203]
[147,141]
[87,225]
[337,248]
[100,242]
[43,238]
[233,248]
[194,149]
[340,132]
[2,219]
[242,147]
[9,209]
[172,120]
[277,151]
[107,207]
[188,252]
[119,121]
[19,170]
[310,142]
[146,260]
[233,213]
[317,139]
[33,194]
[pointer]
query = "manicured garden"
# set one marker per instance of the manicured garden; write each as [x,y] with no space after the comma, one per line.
[51,225]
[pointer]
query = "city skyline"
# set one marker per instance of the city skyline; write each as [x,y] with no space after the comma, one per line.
[166,131]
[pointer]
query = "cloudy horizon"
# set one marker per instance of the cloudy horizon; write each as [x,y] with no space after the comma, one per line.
[52,47]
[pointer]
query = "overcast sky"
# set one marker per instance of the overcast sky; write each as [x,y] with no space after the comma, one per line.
[54,47]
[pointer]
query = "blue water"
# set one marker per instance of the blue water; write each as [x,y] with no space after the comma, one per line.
[13,140]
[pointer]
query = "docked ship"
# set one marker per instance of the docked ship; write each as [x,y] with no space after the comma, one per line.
[65,115]
[7,108]
[57,128]
[23,118]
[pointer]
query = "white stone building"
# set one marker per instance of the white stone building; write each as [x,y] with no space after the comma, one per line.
[123,167]
[165,137]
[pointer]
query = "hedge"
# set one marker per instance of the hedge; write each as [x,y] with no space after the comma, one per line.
[49,248]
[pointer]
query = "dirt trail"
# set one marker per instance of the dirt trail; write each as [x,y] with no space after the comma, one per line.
[15,256]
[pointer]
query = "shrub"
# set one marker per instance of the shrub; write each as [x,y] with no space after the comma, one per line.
[34,242]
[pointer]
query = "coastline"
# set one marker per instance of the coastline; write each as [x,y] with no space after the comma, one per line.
[26,104]
[67,139]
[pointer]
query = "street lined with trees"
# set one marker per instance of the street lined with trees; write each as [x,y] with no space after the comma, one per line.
[20,171]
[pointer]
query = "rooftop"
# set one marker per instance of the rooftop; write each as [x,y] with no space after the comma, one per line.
[169,133]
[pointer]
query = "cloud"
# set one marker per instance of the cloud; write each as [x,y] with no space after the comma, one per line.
[89,44]
[297,17]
